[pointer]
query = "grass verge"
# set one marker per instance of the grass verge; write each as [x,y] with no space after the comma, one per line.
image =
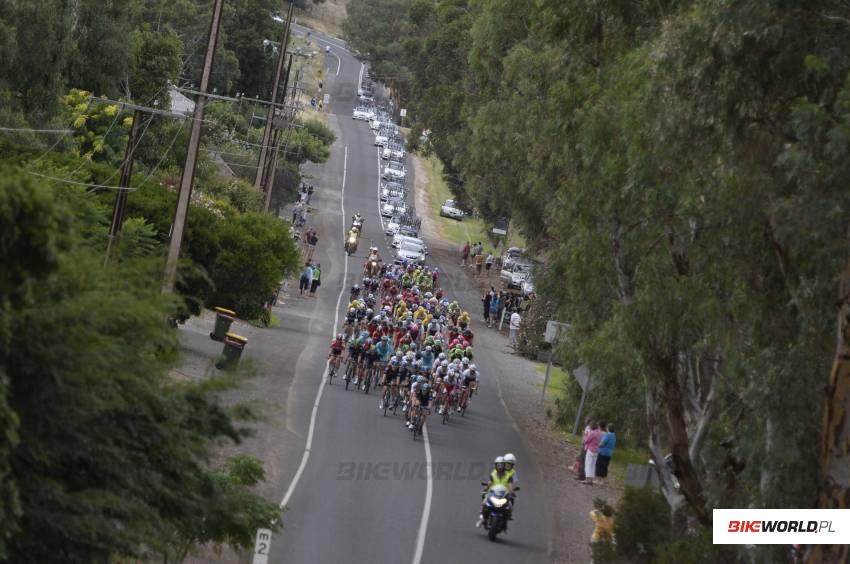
[451,230]
[326,18]
[623,455]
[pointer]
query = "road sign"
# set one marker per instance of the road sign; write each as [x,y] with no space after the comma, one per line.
[582,376]
[552,329]
[262,546]
[327,99]
[403,112]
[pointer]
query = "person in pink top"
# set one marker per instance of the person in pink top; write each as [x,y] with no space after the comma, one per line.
[590,442]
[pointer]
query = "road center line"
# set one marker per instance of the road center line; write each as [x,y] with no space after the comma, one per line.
[429,492]
[308,445]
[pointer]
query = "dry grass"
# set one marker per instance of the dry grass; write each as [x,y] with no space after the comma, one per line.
[326,18]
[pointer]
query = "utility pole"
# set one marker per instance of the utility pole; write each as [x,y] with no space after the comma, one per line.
[264,146]
[268,183]
[188,177]
[124,184]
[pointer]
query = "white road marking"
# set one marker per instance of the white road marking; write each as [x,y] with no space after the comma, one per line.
[426,510]
[360,78]
[380,215]
[309,444]
[338,61]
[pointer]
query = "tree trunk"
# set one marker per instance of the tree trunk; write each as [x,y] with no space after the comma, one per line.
[835,439]
[689,481]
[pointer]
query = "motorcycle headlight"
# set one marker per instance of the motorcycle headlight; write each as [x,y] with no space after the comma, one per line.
[499,502]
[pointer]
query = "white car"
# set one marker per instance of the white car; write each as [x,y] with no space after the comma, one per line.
[514,276]
[450,209]
[527,286]
[380,140]
[410,252]
[395,170]
[393,151]
[393,207]
[392,227]
[392,191]
[364,114]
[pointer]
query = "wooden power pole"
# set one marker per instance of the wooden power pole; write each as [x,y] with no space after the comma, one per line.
[188,177]
[267,133]
[124,184]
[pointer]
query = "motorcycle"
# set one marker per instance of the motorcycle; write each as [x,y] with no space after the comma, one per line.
[496,510]
[351,245]
[373,267]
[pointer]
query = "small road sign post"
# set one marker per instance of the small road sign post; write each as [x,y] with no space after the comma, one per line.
[551,335]
[262,546]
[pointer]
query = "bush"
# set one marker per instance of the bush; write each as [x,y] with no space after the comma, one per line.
[642,523]
[256,252]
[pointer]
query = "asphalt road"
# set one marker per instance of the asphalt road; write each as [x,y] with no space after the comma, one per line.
[364,491]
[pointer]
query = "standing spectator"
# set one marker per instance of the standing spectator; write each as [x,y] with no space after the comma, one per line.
[478,260]
[309,193]
[488,263]
[514,329]
[603,530]
[606,450]
[317,275]
[306,278]
[487,299]
[495,306]
[591,444]
[312,239]
[464,253]
[296,210]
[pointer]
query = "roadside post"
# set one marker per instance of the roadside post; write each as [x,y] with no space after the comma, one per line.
[553,328]
[585,380]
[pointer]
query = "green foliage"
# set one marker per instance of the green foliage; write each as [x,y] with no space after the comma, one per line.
[103,454]
[256,252]
[155,61]
[642,521]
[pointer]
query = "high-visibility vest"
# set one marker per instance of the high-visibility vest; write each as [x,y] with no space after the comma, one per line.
[503,480]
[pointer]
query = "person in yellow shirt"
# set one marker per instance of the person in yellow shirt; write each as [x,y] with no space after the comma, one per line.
[603,520]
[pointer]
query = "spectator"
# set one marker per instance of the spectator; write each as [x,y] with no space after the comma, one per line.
[495,305]
[591,444]
[306,278]
[606,450]
[488,262]
[464,253]
[312,239]
[514,328]
[309,193]
[603,520]
[296,210]
[487,299]
[317,275]
[479,263]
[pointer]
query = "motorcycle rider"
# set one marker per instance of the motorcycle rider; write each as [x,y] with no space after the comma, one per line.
[499,476]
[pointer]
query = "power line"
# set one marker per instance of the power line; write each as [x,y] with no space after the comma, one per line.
[31,130]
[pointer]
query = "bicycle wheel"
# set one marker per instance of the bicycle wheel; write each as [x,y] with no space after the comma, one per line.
[386,400]
[330,372]
[367,381]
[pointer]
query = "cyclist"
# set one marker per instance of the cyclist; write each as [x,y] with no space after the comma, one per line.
[355,350]
[355,292]
[422,403]
[427,358]
[335,352]
[391,380]
[469,381]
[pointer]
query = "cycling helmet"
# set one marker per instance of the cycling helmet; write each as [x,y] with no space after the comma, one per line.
[444,364]
[510,458]
[428,348]
[442,356]
[464,360]
[385,338]
[473,367]
[420,378]
[425,386]
[499,460]
[352,310]
[340,336]
[356,287]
